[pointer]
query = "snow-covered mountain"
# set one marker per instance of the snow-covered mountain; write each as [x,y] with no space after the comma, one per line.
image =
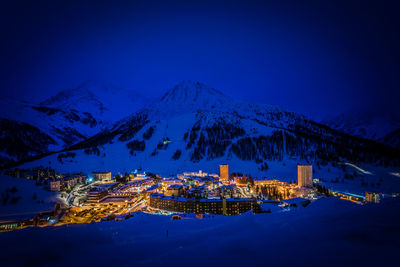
[194,126]
[104,101]
[64,119]
[379,124]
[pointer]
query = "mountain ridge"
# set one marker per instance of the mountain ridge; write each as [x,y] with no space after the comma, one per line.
[207,126]
[67,117]
[368,122]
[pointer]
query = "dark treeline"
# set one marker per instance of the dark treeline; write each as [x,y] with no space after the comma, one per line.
[126,130]
[318,144]
[213,140]
[135,145]
[148,133]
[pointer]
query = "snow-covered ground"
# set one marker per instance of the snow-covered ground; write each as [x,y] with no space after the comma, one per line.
[26,206]
[375,178]
[329,232]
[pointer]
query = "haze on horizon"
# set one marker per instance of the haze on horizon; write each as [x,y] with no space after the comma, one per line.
[316,58]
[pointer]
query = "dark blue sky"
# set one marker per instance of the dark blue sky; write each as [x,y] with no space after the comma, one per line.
[317,58]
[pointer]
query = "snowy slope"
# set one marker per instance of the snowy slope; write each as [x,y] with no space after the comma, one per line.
[32,199]
[70,116]
[392,138]
[368,122]
[104,101]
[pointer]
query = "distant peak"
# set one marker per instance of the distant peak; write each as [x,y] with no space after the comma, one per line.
[190,83]
[188,91]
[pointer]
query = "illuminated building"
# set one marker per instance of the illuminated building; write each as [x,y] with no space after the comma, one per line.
[171,181]
[99,193]
[200,173]
[227,191]
[224,173]
[55,186]
[65,182]
[304,175]
[229,206]
[348,196]
[372,197]
[197,174]
[102,176]
[175,190]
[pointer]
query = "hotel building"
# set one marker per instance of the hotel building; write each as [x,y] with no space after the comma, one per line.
[229,206]
[304,175]
[102,176]
[224,173]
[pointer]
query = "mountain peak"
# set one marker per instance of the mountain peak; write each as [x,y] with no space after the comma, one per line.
[191,92]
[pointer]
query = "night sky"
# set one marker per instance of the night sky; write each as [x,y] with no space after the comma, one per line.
[313,57]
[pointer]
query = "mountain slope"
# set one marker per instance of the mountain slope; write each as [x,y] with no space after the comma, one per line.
[69,117]
[19,140]
[379,124]
[104,101]
[195,127]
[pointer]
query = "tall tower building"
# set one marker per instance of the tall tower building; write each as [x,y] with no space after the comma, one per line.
[304,175]
[224,173]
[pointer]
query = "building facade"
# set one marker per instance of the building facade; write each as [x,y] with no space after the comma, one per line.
[96,195]
[224,173]
[372,197]
[174,190]
[55,185]
[102,176]
[202,206]
[304,175]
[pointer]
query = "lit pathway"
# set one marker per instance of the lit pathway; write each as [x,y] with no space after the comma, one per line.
[358,168]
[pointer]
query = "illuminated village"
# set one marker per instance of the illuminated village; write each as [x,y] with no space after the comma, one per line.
[104,197]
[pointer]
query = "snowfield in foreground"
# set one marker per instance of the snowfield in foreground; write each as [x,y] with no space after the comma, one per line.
[32,199]
[329,232]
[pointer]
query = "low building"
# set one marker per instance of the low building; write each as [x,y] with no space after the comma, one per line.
[228,191]
[349,196]
[99,193]
[65,182]
[14,173]
[69,182]
[372,197]
[96,195]
[268,182]
[175,190]
[197,192]
[102,176]
[228,206]
[171,181]
[303,192]
[55,185]
[136,186]
[152,189]
[200,173]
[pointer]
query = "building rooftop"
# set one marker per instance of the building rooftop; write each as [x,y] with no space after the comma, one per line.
[153,187]
[175,186]
[162,196]
[228,187]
